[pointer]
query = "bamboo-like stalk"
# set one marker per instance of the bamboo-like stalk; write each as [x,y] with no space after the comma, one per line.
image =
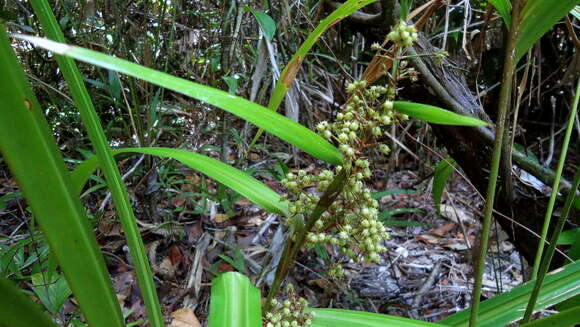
[556,185]
[504,101]
[108,165]
[546,260]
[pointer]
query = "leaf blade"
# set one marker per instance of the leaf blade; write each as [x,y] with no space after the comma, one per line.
[274,123]
[435,115]
[235,302]
[507,307]
[235,179]
[538,17]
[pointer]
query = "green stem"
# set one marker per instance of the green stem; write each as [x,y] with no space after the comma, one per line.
[556,184]
[504,99]
[295,242]
[558,229]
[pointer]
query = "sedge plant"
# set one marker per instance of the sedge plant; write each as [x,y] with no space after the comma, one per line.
[334,207]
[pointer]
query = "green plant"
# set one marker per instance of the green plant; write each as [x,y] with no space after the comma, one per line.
[344,199]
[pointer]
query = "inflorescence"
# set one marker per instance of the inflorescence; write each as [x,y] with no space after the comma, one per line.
[352,223]
[289,312]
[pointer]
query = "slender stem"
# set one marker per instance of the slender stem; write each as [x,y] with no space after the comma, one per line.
[504,100]
[556,185]
[558,229]
[296,241]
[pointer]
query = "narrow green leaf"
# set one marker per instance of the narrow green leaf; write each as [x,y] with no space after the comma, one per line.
[504,8]
[16,310]
[351,318]
[538,17]
[378,195]
[442,172]
[274,123]
[97,136]
[27,144]
[403,223]
[570,317]
[391,213]
[266,22]
[231,177]
[435,115]
[234,302]
[508,307]
[405,7]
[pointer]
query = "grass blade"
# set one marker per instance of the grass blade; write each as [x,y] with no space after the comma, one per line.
[351,318]
[443,170]
[556,184]
[570,317]
[32,155]
[503,7]
[97,136]
[274,123]
[435,115]
[231,177]
[547,259]
[235,302]
[16,310]
[508,307]
[538,17]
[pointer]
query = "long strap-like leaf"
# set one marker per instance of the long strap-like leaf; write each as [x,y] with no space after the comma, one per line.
[235,302]
[274,123]
[233,178]
[33,157]
[508,307]
[108,165]
[16,310]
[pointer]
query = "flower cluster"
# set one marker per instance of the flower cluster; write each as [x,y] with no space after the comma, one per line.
[288,313]
[404,35]
[351,223]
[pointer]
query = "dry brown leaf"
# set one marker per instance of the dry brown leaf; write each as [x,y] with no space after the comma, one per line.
[442,230]
[184,317]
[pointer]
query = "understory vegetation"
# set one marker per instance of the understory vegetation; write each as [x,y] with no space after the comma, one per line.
[284,163]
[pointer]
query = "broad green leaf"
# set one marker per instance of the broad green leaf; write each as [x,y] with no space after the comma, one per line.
[97,136]
[442,172]
[508,307]
[231,177]
[504,8]
[266,22]
[16,310]
[569,237]
[272,122]
[538,17]
[51,289]
[435,115]
[29,149]
[293,67]
[570,317]
[351,318]
[234,302]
